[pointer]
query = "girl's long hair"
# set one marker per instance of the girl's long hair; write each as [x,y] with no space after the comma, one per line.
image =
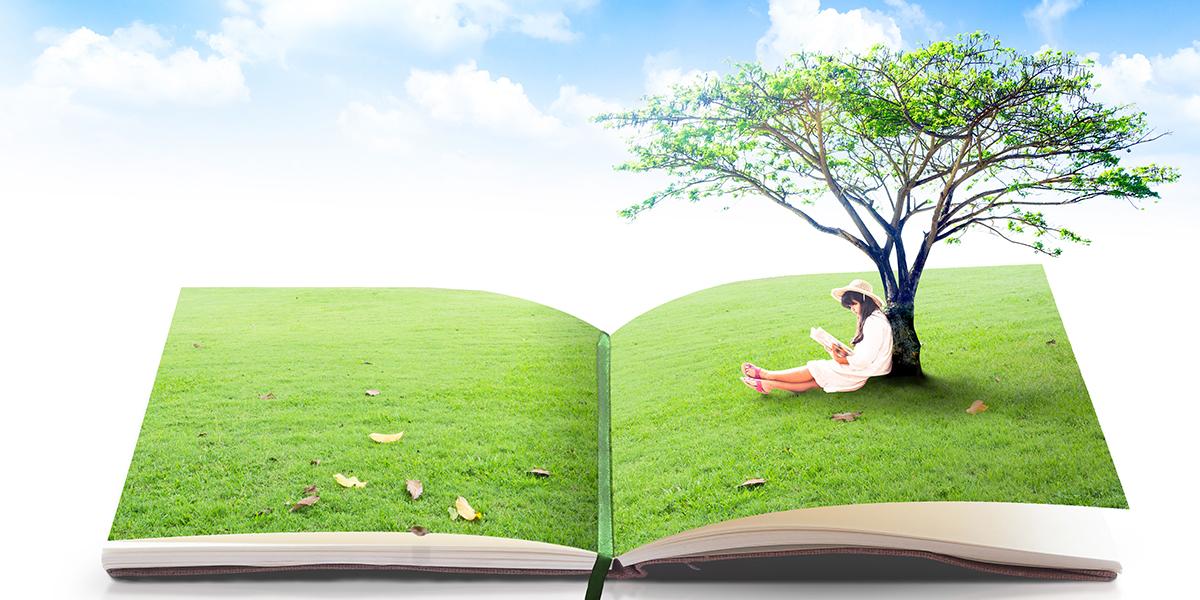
[868,306]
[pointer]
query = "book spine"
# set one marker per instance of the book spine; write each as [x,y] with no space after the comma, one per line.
[604,524]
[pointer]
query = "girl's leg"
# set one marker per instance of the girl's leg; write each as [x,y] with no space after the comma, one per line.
[770,384]
[797,375]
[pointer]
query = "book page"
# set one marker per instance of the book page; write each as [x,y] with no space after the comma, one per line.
[687,432]
[265,397]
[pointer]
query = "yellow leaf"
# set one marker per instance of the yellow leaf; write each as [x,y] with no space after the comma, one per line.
[976,407]
[464,510]
[386,438]
[453,513]
[349,482]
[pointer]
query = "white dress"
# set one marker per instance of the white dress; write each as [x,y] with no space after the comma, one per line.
[872,356]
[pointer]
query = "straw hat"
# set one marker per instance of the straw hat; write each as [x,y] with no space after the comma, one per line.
[861,287]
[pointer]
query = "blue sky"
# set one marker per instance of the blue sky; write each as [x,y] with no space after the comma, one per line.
[384,128]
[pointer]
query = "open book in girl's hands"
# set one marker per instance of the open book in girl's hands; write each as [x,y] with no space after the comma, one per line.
[451,430]
[827,340]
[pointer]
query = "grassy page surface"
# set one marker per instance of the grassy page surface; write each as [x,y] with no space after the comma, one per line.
[686,430]
[255,385]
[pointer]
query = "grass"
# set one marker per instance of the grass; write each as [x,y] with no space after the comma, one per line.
[484,386]
[686,430]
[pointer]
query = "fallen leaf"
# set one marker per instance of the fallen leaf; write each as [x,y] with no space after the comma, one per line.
[315,462]
[197,345]
[539,472]
[267,396]
[453,513]
[310,490]
[751,483]
[976,407]
[262,513]
[846,417]
[996,378]
[1051,342]
[464,510]
[386,438]
[418,530]
[303,502]
[415,489]
[349,482]
[373,392]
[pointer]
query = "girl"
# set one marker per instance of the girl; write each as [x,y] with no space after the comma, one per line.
[845,372]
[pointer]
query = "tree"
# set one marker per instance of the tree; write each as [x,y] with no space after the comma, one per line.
[954,136]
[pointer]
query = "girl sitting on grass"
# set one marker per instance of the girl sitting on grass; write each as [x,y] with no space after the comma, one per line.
[848,370]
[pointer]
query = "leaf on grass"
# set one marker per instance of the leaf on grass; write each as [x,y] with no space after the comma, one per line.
[752,483]
[197,345]
[202,434]
[539,472]
[415,489]
[303,502]
[846,417]
[1051,342]
[386,438]
[262,513]
[366,362]
[996,378]
[349,482]
[373,392]
[267,396]
[314,462]
[976,407]
[310,490]
[463,509]
[418,530]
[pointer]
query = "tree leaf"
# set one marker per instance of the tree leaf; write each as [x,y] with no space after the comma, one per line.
[266,396]
[373,392]
[197,345]
[314,462]
[415,489]
[463,509]
[386,438]
[310,490]
[846,417]
[349,482]
[303,502]
[418,530]
[976,407]
[539,472]
[751,483]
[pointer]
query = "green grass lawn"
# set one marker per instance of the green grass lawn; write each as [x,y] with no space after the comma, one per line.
[686,430]
[484,386]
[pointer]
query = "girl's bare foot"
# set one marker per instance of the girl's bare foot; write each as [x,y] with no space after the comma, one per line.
[759,385]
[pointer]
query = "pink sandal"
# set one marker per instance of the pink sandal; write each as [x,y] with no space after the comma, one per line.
[749,370]
[756,384]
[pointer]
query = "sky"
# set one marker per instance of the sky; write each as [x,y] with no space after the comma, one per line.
[269,142]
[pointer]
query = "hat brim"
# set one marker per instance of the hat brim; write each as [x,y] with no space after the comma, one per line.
[837,294]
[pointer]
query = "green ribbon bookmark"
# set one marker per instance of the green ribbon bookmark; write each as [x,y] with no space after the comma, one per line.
[604,529]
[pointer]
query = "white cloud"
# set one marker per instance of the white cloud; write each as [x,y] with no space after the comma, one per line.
[268,29]
[470,96]
[661,73]
[578,106]
[137,65]
[1166,87]
[397,127]
[1046,16]
[910,15]
[798,25]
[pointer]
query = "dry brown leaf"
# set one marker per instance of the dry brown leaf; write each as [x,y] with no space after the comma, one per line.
[463,509]
[750,483]
[539,472]
[846,417]
[303,502]
[267,396]
[373,392]
[415,489]
[386,438]
[976,407]
[349,482]
[418,530]
[310,490]
[197,345]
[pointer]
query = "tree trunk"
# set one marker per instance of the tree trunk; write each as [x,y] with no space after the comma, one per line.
[906,348]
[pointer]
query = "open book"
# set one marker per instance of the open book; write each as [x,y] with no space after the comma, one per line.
[450,430]
[826,340]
